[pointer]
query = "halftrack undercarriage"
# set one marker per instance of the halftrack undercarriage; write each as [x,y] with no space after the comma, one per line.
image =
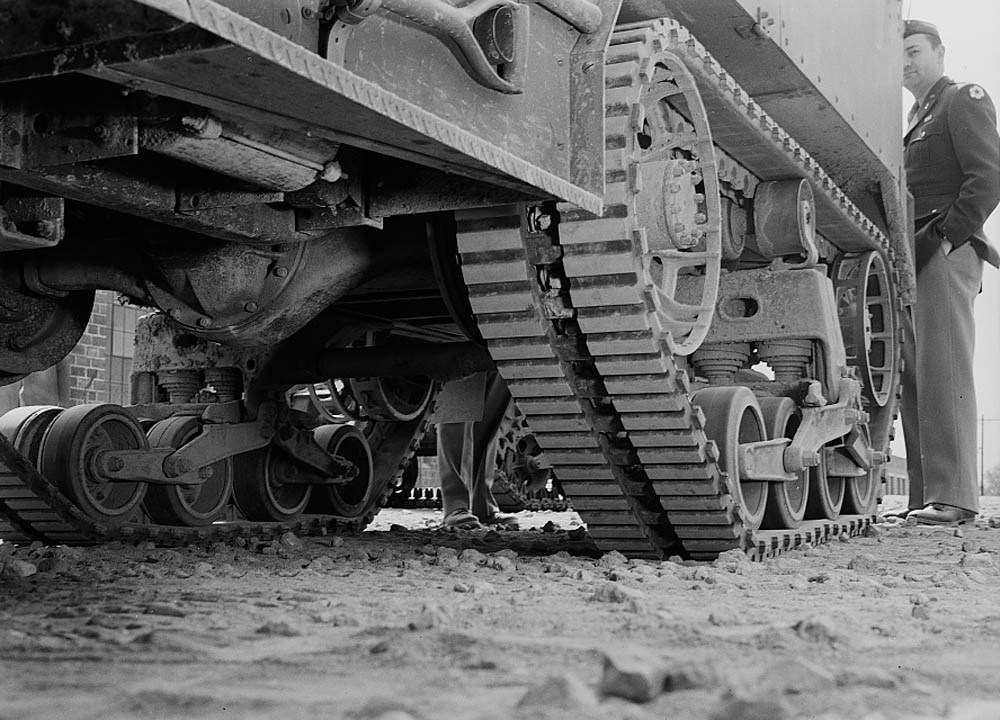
[703,341]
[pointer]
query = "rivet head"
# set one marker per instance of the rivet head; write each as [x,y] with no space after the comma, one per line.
[250,306]
[281,271]
[204,322]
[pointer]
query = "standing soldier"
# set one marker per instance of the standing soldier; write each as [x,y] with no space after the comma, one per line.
[952,160]
[467,454]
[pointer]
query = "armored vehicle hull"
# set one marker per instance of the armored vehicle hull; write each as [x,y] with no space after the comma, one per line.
[676,229]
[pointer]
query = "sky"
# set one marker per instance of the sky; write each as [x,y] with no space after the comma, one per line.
[972,54]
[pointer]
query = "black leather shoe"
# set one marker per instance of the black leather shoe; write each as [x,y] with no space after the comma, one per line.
[901,515]
[937,514]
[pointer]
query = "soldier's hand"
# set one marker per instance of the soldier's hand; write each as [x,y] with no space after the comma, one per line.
[927,241]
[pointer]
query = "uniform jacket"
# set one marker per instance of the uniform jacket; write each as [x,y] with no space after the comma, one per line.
[952,160]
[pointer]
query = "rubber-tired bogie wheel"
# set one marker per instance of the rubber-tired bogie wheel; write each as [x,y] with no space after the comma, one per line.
[68,453]
[353,498]
[260,490]
[861,491]
[25,427]
[732,417]
[786,501]
[826,493]
[189,505]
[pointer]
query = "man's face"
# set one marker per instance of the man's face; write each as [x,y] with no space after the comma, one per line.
[923,64]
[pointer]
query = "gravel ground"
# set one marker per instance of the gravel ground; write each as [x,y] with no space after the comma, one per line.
[409,622]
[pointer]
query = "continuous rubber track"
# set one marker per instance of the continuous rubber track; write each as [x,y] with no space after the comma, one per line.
[569,315]
[32,508]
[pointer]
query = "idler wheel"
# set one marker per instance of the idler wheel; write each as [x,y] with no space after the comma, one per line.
[732,417]
[394,399]
[786,501]
[190,505]
[68,452]
[334,401]
[260,489]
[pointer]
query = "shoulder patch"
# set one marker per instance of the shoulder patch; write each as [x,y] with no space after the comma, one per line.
[976,92]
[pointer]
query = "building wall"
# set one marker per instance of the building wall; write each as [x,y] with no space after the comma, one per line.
[101,363]
[88,362]
[896,481]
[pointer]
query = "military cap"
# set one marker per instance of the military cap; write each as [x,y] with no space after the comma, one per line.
[913,27]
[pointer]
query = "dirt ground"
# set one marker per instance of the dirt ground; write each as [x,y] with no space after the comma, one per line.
[407,622]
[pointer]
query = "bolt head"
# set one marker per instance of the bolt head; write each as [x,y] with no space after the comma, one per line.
[810,459]
[543,221]
[204,322]
[45,228]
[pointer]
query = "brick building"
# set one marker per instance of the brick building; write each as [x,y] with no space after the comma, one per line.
[100,365]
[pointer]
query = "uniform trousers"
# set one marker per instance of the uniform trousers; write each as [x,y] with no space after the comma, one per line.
[466,453]
[45,387]
[939,396]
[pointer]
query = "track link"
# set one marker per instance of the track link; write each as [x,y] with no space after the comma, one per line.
[569,312]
